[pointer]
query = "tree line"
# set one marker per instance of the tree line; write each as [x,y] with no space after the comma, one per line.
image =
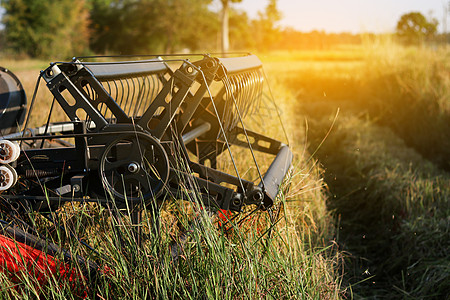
[63,28]
[66,28]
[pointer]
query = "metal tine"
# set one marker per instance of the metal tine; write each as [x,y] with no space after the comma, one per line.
[133,97]
[157,87]
[222,130]
[239,104]
[252,101]
[272,99]
[242,104]
[135,85]
[262,102]
[131,94]
[245,101]
[120,91]
[148,82]
[228,111]
[236,95]
[232,88]
[256,96]
[144,103]
[257,85]
[260,78]
[228,89]
[126,95]
[239,117]
[239,80]
[118,97]
[153,90]
[247,90]
[114,94]
[103,106]
[133,101]
[140,96]
[148,92]
[90,92]
[253,93]
[127,92]
[256,92]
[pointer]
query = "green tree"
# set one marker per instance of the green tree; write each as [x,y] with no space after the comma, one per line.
[146,26]
[56,29]
[414,28]
[265,27]
[241,37]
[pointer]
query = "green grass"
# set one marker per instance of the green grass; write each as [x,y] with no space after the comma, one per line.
[391,205]
[245,263]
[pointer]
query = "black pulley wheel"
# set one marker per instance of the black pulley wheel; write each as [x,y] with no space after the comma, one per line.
[12,102]
[134,167]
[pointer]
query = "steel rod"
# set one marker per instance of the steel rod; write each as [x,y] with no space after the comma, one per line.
[196,132]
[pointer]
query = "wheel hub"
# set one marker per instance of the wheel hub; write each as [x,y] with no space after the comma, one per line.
[134,167]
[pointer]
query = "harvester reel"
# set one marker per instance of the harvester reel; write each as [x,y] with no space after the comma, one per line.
[137,132]
[134,167]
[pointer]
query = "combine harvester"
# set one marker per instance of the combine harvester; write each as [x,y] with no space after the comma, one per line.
[139,132]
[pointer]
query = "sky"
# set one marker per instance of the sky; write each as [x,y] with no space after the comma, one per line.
[348,15]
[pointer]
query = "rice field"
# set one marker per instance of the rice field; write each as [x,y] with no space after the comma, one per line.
[379,124]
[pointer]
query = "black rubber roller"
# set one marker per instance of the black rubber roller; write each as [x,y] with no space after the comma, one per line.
[13,102]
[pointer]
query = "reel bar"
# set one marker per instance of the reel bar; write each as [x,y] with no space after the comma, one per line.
[240,64]
[52,128]
[162,55]
[128,69]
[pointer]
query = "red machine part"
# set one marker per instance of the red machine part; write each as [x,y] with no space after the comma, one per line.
[18,260]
